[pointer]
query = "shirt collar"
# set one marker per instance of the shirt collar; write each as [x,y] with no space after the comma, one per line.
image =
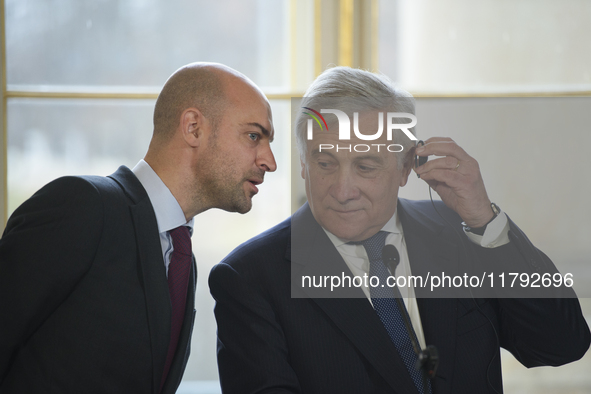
[169,214]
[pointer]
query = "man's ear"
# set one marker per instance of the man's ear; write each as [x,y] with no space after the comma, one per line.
[405,174]
[194,126]
[406,170]
[303,168]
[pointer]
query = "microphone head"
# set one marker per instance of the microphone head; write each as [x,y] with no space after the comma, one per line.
[390,257]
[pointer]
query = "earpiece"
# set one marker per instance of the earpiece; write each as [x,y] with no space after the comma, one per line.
[420,160]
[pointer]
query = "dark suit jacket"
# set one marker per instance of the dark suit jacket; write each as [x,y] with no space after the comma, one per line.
[270,342]
[84,302]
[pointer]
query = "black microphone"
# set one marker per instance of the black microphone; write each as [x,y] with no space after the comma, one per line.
[428,359]
[391,257]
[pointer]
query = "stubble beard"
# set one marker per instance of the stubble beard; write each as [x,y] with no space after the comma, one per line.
[220,185]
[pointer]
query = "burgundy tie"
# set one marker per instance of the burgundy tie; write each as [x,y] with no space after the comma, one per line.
[178,279]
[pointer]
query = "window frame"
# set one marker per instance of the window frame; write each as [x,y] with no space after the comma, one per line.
[345,32]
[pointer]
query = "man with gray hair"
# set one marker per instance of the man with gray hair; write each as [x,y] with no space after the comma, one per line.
[309,306]
[97,277]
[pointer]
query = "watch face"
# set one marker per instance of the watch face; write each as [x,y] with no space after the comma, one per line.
[495,208]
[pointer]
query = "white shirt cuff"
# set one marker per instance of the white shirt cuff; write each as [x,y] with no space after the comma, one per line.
[495,235]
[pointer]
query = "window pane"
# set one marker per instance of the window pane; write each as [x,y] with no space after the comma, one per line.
[141,42]
[488,45]
[51,138]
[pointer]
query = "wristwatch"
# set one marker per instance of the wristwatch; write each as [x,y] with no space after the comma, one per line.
[480,230]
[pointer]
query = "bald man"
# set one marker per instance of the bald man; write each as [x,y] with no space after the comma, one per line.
[97,279]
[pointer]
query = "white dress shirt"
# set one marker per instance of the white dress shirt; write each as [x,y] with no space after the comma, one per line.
[355,256]
[169,214]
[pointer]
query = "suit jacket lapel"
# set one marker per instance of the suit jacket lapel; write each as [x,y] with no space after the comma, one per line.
[312,253]
[151,269]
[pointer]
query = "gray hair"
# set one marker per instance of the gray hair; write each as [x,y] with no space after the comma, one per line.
[355,90]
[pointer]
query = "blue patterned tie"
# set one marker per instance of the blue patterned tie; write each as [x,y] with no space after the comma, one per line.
[387,309]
